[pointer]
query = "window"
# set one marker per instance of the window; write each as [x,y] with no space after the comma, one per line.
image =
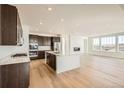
[96,44]
[112,43]
[121,43]
[108,43]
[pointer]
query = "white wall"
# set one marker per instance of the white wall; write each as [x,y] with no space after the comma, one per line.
[71,41]
[101,53]
[64,44]
[77,41]
[8,50]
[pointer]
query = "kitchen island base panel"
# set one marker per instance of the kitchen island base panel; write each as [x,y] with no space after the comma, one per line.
[61,63]
[66,63]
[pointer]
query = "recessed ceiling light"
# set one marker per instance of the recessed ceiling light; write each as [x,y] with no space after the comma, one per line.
[49,9]
[41,23]
[62,20]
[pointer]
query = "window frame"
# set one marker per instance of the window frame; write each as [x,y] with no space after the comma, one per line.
[118,50]
[94,45]
[106,37]
[116,35]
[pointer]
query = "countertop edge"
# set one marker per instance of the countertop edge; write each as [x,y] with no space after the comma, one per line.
[13,63]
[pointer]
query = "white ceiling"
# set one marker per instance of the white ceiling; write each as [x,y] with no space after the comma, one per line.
[86,20]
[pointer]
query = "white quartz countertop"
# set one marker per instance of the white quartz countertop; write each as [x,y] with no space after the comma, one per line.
[14,60]
[54,53]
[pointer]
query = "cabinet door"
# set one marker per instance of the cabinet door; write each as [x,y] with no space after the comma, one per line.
[41,54]
[40,40]
[23,70]
[48,58]
[52,44]
[48,41]
[33,38]
[45,41]
[8,25]
[15,75]
[51,61]
[0,28]
[54,39]
[9,74]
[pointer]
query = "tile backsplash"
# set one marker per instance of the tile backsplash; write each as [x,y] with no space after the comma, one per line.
[44,48]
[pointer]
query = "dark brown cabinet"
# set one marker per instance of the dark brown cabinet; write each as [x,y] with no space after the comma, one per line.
[44,41]
[9,20]
[41,54]
[51,61]
[14,75]
[33,38]
[54,39]
[41,40]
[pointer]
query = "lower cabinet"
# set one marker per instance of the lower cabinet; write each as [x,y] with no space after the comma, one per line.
[51,61]
[14,75]
[41,54]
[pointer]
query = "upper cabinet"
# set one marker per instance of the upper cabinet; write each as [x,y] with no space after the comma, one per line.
[33,39]
[40,40]
[10,26]
[54,39]
[44,41]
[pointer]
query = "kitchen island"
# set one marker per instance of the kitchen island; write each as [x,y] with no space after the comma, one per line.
[61,63]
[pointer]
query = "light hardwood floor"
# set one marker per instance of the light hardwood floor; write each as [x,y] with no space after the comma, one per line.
[95,72]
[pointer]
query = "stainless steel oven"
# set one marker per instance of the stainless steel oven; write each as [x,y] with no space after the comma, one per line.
[33,49]
[33,46]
